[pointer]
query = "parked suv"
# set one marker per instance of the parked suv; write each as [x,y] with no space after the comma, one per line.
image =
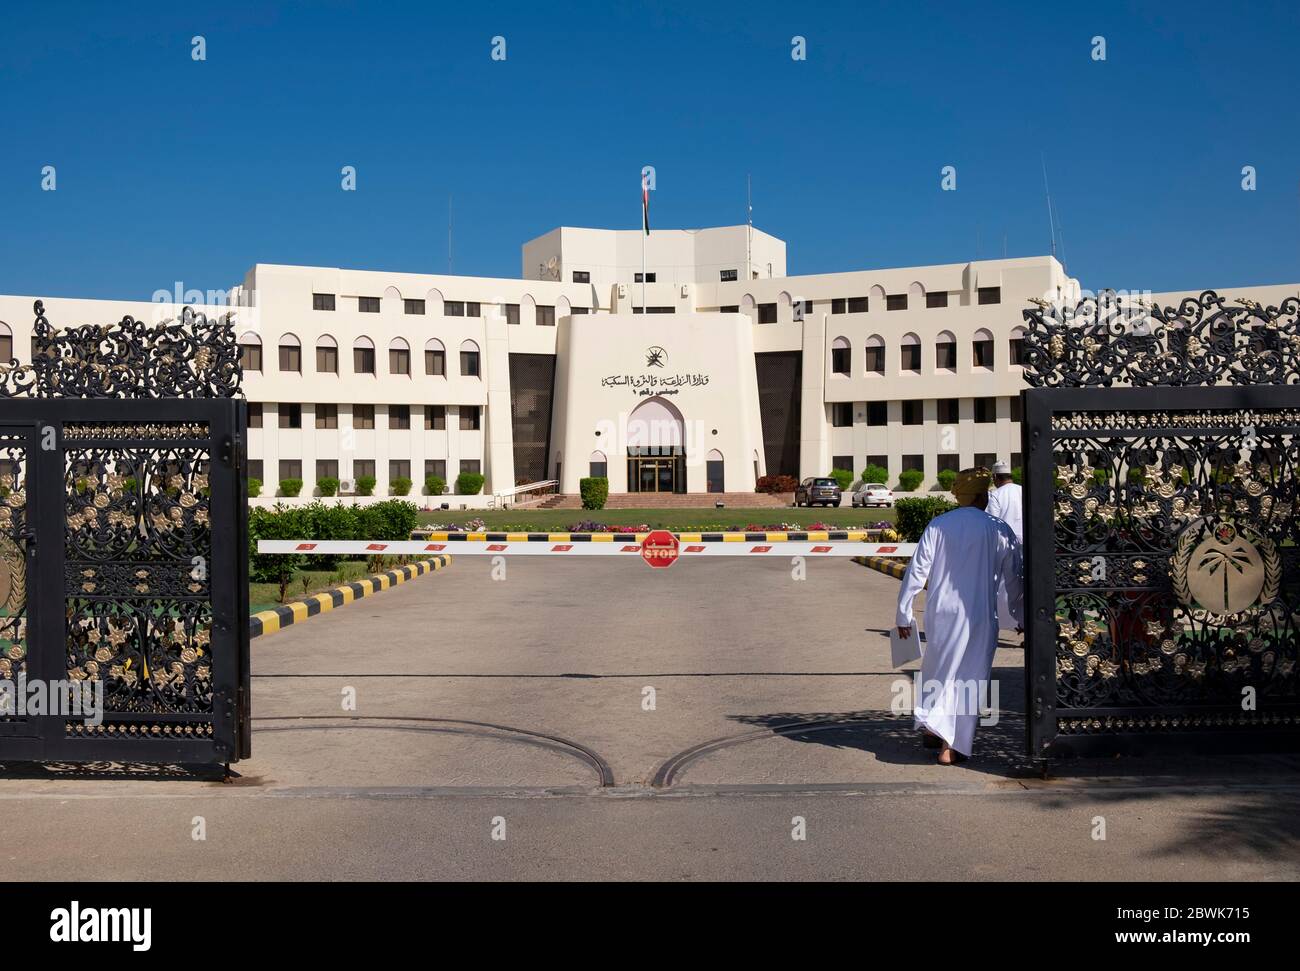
[873,494]
[817,492]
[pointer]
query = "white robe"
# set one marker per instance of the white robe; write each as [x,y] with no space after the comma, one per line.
[965,555]
[1006,502]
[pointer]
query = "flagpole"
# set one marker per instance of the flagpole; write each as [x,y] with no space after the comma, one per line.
[645,231]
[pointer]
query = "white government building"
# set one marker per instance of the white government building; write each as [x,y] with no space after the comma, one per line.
[733,371]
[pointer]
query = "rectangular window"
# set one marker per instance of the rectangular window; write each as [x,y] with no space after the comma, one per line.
[469,418]
[730,309]
[949,461]
[399,360]
[471,465]
[842,414]
[985,459]
[327,416]
[1017,350]
[254,414]
[399,417]
[1016,408]
[290,415]
[767,313]
[877,413]
[363,467]
[290,469]
[399,469]
[473,309]
[290,358]
[598,470]
[469,363]
[837,305]
[857,305]
[880,460]
[840,360]
[322,301]
[363,416]
[435,418]
[250,355]
[875,360]
[936,299]
[1017,461]
[912,413]
[255,470]
[368,305]
[844,462]
[986,411]
[579,311]
[945,356]
[435,362]
[727,276]
[581,276]
[983,354]
[327,360]
[896,301]
[453,308]
[911,357]
[989,295]
[436,467]
[545,316]
[363,360]
[649,278]
[914,462]
[327,469]
[512,313]
[413,306]
[948,411]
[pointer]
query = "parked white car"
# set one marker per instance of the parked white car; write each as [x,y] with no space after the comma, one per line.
[873,494]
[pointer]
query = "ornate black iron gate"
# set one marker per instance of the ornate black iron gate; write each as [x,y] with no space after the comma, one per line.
[123,546]
[1162,567]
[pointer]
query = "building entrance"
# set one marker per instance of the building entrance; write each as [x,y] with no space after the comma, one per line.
[656,473]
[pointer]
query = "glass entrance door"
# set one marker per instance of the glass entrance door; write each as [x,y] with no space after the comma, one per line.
[656,473]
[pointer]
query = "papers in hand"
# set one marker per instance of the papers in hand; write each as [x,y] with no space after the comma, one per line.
[904,649]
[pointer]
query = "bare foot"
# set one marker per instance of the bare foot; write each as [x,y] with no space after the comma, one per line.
[949,756]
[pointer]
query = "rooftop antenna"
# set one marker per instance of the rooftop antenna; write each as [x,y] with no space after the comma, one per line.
[1051,217]
[448,234]
[1060,230]
[749,227]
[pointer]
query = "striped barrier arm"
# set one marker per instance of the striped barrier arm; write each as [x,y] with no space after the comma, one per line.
[602,544]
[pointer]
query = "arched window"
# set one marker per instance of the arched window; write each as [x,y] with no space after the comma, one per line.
[327,355]
[290,354]
[841,356]
[714,472]
[6,343]
[435,358]
[875,354]
[250,352]
[363,356]
[945,352]
[598,465]
[399,357]
[911,348]
[982,346]
[1018,346]
[469,362]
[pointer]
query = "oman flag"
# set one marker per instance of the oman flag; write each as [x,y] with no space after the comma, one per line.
[645,202]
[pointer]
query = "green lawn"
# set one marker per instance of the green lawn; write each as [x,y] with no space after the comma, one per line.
[561,520]
[264,596]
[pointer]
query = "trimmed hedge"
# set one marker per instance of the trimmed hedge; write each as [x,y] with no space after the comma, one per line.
[776,483]
[469,483]
[290,487]
[913,515]
[843,478]
[594,490]
[254,488]
[947,478]
[401,486]
[365,485]
[434,485]
[392,519]
[909,480]
[328,485]
[875,473]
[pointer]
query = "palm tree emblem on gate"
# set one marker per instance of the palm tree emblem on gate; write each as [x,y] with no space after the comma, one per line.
[1222,571]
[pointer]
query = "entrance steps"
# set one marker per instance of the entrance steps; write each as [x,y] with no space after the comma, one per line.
[669,500]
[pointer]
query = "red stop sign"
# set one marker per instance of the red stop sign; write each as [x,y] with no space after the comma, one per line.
[659,548]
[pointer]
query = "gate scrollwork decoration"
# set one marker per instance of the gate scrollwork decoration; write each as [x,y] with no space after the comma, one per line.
[121,450]
[1162,522]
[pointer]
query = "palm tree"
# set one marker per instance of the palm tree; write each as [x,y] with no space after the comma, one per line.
[1238,558]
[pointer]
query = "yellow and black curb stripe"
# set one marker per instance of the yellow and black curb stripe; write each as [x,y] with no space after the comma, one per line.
[270,621]
[887,565]
[791,536]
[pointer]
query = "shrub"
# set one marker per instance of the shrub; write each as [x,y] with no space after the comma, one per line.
[1017,474]
[277,523]
[328,485]
[776,483]
[326,521]
[469,483]
[401,486]
[843,477]
[947,477]
[392,519]
[910,479]
[875,473]
[434,485]
[290,487]
[365,485]
[254,488]
[913,515]
[594,490]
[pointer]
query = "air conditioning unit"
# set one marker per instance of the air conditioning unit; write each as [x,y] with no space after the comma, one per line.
[347,485]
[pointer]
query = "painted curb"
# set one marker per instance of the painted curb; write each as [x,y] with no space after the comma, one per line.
[269,621]
[883,564]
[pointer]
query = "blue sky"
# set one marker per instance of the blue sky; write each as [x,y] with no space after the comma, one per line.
[174,170]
